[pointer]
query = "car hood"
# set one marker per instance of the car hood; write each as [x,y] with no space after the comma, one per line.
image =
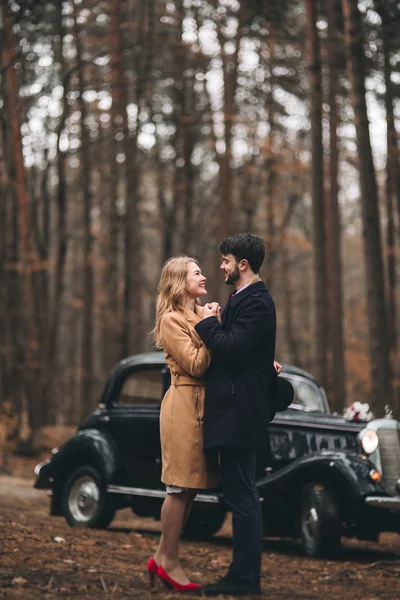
[293,416]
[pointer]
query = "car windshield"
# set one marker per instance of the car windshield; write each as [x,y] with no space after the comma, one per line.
[306,395]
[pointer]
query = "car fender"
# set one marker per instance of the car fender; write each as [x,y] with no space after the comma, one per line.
[87,446]
[348,473]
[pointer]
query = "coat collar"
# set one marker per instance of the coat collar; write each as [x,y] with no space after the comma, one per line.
[259,286]
[194,316]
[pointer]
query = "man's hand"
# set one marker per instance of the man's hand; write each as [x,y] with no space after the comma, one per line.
[212,309]
[278,367]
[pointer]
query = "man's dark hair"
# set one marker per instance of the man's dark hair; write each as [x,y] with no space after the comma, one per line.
[245,246]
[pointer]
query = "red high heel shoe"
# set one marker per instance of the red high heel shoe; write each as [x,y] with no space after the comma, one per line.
[152,568]
[179,587]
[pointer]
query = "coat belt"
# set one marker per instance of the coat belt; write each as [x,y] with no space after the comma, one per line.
[178,380]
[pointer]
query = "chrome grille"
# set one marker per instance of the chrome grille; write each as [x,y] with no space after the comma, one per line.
[389,450]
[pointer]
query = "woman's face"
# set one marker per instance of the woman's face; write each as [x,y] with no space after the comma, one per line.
[195,282]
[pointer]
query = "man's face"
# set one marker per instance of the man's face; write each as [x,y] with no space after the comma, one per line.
[230,267]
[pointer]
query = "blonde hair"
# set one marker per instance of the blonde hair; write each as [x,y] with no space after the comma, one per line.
[171,290]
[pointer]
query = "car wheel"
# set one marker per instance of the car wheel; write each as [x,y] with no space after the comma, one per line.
[203,525]
[84,499]
[320,526]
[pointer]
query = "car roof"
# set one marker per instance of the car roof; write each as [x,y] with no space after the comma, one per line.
[157,358]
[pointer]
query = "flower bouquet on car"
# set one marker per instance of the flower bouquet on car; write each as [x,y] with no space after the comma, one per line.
[358,412]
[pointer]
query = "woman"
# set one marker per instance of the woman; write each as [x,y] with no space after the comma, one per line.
[185,467]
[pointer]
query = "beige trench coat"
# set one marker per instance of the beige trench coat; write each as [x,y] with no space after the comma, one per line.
[184,463]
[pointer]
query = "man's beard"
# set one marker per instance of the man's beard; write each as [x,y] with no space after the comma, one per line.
[233,277]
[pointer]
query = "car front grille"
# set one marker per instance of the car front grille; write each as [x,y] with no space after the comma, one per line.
[389,449]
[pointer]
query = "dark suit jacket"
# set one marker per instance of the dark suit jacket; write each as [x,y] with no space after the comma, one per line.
[237,406]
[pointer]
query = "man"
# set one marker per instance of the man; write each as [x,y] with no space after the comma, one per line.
[237,407]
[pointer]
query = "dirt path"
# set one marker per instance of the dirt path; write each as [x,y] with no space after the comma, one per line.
[42,558]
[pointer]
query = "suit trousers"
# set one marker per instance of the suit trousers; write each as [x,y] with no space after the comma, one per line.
[238,473]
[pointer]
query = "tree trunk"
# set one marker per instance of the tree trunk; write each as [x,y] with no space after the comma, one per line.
[225,177]
[317,188]
[187,116]
[32,376]
[271,166]
[112,351]
[61,232]
[133,331]
[7,350]
[225,174]
[392,167]
[381,385]
[335,285]
[188,144]
[40,224]
[392,196]
[291,340]
[88,278]
[11,325]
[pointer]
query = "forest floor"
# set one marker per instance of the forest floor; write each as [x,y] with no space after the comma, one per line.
[41,558]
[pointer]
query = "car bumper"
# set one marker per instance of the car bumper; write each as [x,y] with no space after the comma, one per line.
[388,502]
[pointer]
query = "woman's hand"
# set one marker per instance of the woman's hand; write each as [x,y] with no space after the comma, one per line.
[212,309]
[278,367]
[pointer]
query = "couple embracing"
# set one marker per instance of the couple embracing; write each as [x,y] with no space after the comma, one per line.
[214,416]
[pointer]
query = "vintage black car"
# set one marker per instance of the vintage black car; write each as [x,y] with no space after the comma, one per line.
[319,479]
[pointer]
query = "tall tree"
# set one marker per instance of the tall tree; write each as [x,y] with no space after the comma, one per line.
[271,162]
[132,330]
[335,284]
[392,191]
[54,313]
[317,190]
[88,275]
[30,369]
[9,284]
[381,384]
[290,337]
[230,72]
[119,129]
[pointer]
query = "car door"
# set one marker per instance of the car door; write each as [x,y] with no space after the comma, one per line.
[134,424]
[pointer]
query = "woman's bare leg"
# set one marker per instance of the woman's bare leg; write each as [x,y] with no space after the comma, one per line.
[192,496]
[173,513]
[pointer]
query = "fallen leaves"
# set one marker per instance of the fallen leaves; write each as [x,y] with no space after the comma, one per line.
[59,540]
[103,584]
[86,564]
[19,581]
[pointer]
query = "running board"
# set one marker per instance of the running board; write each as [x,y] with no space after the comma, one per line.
[133,491]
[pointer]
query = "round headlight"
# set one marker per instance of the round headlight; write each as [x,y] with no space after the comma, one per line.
[369,441]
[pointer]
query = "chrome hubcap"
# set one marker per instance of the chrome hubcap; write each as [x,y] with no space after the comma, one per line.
[312,521]
[83,499]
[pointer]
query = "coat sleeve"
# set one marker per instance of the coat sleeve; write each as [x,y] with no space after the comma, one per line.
[253,324]
[176,340]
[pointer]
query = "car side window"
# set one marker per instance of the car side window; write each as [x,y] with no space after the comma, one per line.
[305,394]
[144,386]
